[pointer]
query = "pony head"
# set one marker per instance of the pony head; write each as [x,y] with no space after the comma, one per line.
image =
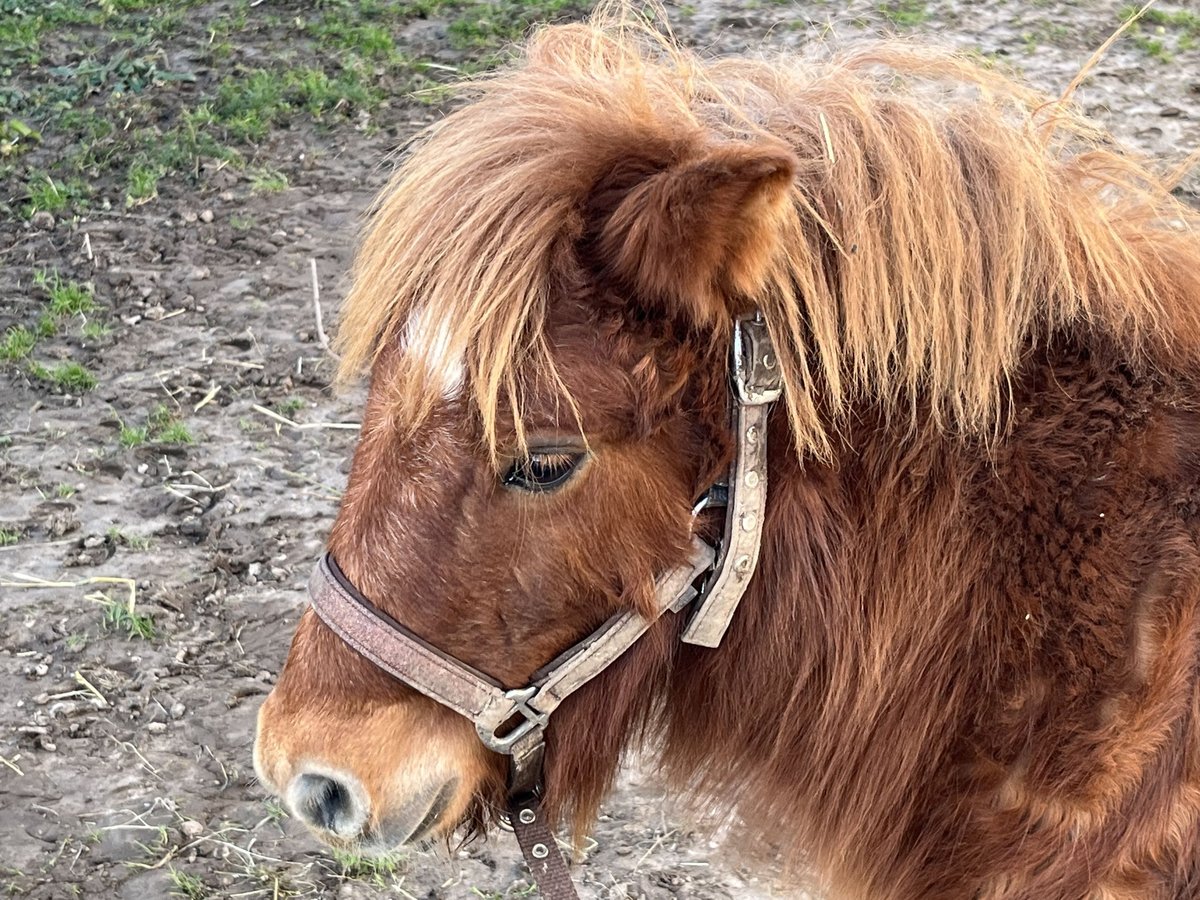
[544,299]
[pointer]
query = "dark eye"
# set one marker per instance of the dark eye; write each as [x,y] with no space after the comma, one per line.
[542,471]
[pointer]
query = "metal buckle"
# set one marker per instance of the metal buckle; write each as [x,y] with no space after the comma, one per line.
[756,374]
[518,705]
[715,496]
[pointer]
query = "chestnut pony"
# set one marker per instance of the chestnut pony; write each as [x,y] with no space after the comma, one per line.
[968,664]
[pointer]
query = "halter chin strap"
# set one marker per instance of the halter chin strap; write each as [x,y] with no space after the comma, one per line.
[513,721]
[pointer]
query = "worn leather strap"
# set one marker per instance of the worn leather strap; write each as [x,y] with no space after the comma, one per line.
[756,386]
[395,649]
[454,684]
[545,860]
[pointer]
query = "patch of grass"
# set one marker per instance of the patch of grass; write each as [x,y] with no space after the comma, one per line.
[161,425]
[367,39]
[65,491]
[94,331]
[904,13]
[1182,25]
[377,870]
[268,181]
[133,541]
[76,641]
[527,891]
[69,377]
[184,884]
[44,194]
[317,92]
[160,417]
[182,148]
[46,326]
[20,36]
[133,436]
[1184,18]
[488,25]
[249,105]
[18,343]
[119,616]
[9,536]
[120,73]
[175,433]
[275,810]
[16,137]
[142,185]
[290,406]
[66,298]
[1152,47]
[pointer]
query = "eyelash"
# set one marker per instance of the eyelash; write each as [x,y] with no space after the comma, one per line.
[542,472]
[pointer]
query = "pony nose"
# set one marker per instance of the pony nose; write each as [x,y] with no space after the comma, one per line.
[329,803]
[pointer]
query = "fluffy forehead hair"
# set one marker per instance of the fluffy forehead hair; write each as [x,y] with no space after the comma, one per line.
[935,218]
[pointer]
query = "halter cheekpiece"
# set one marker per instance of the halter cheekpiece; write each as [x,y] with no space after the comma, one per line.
[513,722]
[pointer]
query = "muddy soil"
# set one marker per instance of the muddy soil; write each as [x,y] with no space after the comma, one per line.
[125,760]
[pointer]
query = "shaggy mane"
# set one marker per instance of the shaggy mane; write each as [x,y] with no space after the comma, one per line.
[942,217]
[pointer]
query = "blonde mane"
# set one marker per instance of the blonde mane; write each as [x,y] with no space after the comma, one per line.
[942,217]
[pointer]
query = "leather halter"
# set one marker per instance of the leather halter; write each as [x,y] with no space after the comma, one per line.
[513,722]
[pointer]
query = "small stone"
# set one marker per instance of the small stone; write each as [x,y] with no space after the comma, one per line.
[226,196]
[156,727]
[191,828]
[42,220]
[206,216]
[178,710]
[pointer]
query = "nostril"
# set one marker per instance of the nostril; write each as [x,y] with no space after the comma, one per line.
[326,803]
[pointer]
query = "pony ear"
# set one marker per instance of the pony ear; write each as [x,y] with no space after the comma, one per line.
[701,232]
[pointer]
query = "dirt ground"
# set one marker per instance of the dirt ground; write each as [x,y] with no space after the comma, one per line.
[173,176]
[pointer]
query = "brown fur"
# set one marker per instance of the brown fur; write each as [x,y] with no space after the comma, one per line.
[969,664]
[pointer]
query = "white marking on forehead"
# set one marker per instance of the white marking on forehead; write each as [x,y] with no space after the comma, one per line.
[427,336]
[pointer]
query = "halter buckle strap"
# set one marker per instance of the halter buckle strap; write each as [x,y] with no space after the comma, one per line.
[757,384]
[540,849]
[470,693]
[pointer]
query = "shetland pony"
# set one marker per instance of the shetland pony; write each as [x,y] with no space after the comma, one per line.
[968,665]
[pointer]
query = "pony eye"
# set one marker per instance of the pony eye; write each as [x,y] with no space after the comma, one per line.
[542,471]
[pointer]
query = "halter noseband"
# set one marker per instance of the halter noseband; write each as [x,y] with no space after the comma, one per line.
[513,722]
